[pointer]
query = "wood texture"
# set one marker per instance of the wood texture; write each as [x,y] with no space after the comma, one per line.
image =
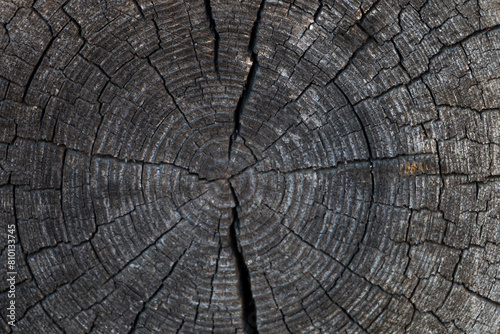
[210,166]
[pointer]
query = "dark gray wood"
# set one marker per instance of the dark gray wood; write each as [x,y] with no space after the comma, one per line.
[207,166]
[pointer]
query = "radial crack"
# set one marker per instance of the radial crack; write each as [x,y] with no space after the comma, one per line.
[36,68]
[318,11]
[213,30]
[168,91]
[248,308]
[371,157]
[247,90]
[242,102]
[156,292]
[139,8]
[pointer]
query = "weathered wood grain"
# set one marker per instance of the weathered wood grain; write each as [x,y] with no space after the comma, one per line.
[209,166]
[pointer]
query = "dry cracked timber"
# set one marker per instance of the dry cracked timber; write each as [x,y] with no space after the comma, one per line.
[206,166]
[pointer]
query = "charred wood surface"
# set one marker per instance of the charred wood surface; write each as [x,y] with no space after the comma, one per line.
[208,166]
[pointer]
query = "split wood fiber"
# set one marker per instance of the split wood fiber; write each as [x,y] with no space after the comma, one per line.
[208,166]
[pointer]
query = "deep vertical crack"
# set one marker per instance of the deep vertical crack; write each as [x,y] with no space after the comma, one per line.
[256,25]
[242,102]
[248,308]
[248,88]
[213,30]
[318,11]
[139,8]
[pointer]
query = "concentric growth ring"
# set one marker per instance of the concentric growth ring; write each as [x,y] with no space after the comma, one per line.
[268,166]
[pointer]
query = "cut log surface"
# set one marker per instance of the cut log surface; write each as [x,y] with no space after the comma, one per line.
[224,166]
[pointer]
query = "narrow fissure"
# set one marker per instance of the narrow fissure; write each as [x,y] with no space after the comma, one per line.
[371,156]
[213,30]
[248,308]
[145,303]
[167,90]
[318,11]
[35,70]
[139,8]
[249,81]
[241,104]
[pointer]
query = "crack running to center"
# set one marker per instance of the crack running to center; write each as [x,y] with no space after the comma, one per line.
[213,30]
[248,308]
[249,81]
